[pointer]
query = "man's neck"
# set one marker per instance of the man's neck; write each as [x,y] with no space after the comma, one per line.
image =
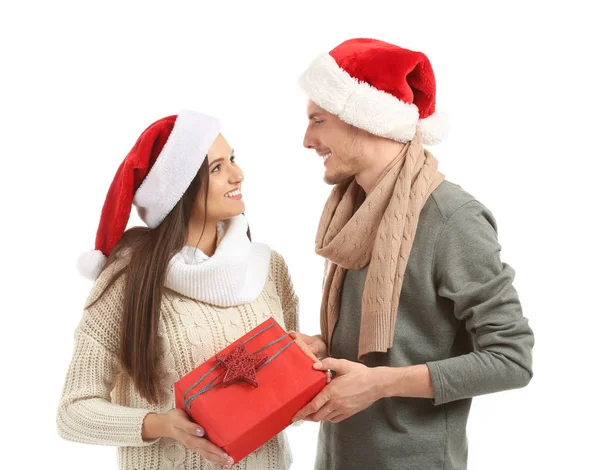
[375,164]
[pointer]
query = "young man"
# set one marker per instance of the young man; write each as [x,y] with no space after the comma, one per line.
[419,314]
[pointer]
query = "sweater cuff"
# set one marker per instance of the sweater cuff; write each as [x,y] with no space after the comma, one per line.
[136,423]
[99,422]
[439,397]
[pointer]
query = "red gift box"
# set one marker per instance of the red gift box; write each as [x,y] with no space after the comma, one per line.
[249,392]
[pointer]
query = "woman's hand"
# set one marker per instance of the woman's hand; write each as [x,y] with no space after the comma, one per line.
[177,425]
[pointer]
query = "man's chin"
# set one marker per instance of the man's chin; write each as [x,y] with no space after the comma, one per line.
[335,178]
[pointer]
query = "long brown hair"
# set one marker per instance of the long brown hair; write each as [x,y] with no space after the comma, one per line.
[149,252]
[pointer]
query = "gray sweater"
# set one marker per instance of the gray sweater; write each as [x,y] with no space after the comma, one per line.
[459,314]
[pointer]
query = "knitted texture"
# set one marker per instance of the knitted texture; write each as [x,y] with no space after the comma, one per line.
[99,404]
[235,274]
[376,229]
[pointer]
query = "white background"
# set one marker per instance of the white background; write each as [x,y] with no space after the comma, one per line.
[519,80]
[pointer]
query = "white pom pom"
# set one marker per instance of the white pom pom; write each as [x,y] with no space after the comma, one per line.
[434,129]
[90,263]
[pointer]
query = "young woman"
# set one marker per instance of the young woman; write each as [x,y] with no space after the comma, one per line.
[167,297]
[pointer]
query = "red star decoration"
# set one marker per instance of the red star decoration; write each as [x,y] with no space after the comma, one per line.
[241,365]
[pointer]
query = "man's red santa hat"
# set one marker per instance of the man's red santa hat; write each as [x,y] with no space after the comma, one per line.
[379,87]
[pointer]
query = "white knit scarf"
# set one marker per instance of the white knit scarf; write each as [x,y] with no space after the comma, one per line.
[236,274]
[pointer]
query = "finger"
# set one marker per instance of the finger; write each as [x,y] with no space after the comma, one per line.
[223,463]
[340,366]
[325,413]
[337,418]
[216,458]
[210,451]
[296,334]
[207,446]
[319,346]
[183,423]
[197,444]
[306,349]
[314,347]
[315,405]
[320,415]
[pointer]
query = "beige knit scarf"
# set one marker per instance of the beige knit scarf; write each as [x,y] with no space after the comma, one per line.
[378,228]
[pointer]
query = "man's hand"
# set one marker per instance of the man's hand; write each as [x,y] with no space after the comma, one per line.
[354,388]
[307,350]
[315,343]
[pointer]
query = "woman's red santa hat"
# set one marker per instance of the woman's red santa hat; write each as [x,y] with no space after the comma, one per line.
[379,87]
[153,177]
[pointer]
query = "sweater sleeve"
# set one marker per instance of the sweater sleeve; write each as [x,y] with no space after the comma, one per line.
[285,290]
[469,273]
[86,413]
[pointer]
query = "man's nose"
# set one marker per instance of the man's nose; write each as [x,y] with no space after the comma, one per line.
[308,140]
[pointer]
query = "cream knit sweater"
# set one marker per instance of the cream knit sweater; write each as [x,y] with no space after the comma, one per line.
[99,404]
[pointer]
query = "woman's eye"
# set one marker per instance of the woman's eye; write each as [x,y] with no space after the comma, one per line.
[232,159]
[216,169]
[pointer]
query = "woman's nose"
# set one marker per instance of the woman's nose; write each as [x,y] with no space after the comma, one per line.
[237,175]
